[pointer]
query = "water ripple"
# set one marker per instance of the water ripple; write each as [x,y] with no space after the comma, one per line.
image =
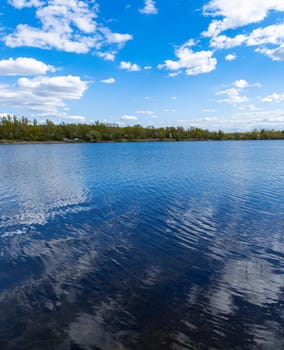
[142,246]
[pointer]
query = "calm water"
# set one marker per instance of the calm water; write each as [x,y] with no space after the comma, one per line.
[142,246]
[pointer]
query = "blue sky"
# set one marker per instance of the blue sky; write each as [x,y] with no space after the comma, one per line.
[214,64]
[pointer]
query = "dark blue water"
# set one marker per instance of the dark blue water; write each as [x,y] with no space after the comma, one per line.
[142,246]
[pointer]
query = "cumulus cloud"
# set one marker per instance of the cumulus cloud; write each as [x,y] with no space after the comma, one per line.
[129,117]
[19,4]
[175,74]
[130,67]
[149,8]
[230,57]
[225,42]
[233,95]
[192,63]
[65,87]
[70,26]
[116,38]
[269,35]
[108,81]
[24,66]
[273,34]
[275,97]
[276,54]
[248,108]
[34,37]
[107,56]
[43,95]
[241,84]
[238,13]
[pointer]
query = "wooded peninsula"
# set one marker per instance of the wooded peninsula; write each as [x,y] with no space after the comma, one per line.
[13,130]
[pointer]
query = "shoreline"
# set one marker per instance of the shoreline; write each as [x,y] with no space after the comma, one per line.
[18,142]
[50,142]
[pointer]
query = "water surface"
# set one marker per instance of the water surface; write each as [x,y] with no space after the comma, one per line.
[142,246]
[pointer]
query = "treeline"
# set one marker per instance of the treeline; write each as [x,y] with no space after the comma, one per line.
[21,129]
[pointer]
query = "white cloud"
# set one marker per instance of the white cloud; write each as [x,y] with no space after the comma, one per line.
[19,4]
[78,118]
[64,87]
[168,110]
[145,112]
[273,34]
[69,26]
[193,63]
[108,56]
[253,108]
[24,66]
[33,37]
[230,57]
[129,117]
[248,108]
[131,67]
[175,74]
[232,96]
[238,13]
[275,54]
[116,38]
[108,81]
[61,116]
[149,8]
[148,67]
[225,42]
[275,97]
[241,84]
[43,95]
[244,121]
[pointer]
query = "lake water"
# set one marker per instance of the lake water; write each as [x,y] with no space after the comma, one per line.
[142,246]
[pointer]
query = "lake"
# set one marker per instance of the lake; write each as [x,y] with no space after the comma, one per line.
[142,246]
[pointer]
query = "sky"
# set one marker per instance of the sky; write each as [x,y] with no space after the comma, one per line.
[214,64]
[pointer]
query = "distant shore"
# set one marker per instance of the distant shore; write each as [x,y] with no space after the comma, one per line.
[15,130]
[23,142]
[18,142]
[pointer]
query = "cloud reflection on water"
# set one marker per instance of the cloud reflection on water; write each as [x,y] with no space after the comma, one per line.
[122,246]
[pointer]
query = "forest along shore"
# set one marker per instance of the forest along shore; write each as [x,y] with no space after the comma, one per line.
[22,130]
